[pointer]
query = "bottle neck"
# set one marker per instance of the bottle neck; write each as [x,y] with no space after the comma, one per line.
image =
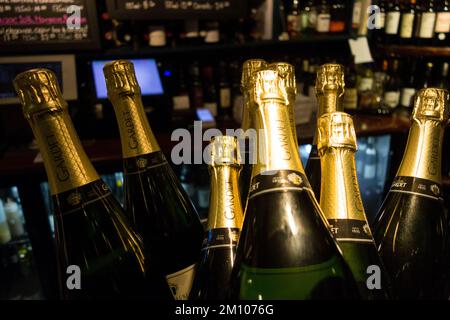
[328,102]
[65,161]
[340,197]
[225,210]
[423,154]
[135,133]
[277,149]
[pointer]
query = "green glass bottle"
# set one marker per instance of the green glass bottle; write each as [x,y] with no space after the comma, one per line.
[412,228]
[286,250]
[212,278]
[340,201]
[330,87]
[155,201]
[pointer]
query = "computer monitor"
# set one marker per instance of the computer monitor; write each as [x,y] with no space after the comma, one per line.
[62,65]
[146,73]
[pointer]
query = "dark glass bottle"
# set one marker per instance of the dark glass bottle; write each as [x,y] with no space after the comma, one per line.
[247,150]
[293,20]
[225,110]
[442,26]
[323,17]
[338,16]
[196,94]
[408,16]
[155,201]
[93,236]
[330,93]
[412,230]
[285,250]
[212,278]
[409,86]
[341,202]
[427,23]
[392,86]
[392,21]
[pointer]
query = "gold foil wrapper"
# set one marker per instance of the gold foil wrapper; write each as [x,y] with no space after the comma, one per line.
[433,104]
[336,130]
[330,77]
[38,90]
[225,151]
[286,72]
[248,69]
[121,79]
[267,86]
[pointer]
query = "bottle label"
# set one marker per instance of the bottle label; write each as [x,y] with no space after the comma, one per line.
[280,180]
[442,22]
[288,283]
[221,238]
[74,200]
[350,98]
[323,22]
[294,23]
[407,26]
[312,18]
[392,22]
[157,38]
[427,25]
[356,16]
[211,106]
[380,20]
[225,98]
[350,230]
[407,97]
[212,36]
[421,187]
[181,102]
[180,283]
[337,26]
[144,162]
[365,84]
[392,98]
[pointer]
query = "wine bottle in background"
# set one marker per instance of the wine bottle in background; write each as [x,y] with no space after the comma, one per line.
[442,26]
[211,32]
[341,202]
[312,16]
[91,230]
[305,11]
[380,21]
[407,22]
[357,14]
[275,259]
[392,21]
[330,92]
[442,79]
[338,16]
[5,234]
[409,85]
[417,21]
[155,201]
[293,20]
[365,83]
[157,36]
[350,100]
[248,69]
[392,86]
[427,78]
[427,23]
[412,230]
[225,110]
[196,95]
[288,84]
[210,96]
[180,95]
[212,278]
[323,17]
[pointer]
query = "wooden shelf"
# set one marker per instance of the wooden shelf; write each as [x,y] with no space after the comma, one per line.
[19,164]
[418,51]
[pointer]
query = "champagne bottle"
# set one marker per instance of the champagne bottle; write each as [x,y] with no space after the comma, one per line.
[412,230]
[285,250]
[341,201]
[155,201]
[212,278]
[330,92]
[248,69]
[92,233]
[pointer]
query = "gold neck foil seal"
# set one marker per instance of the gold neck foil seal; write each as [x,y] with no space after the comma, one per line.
[267,86]
[330,78]
[225,151]
[286,72]
[336,130]
[248,69]
[38,90]
[432,104]
[121,79]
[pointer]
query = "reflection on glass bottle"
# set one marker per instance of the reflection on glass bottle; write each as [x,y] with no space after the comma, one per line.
[5,234]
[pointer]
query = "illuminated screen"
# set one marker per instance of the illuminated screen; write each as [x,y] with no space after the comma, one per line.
[146,73]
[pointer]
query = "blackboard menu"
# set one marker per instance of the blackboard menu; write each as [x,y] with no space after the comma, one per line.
[48,24]
[176,9]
